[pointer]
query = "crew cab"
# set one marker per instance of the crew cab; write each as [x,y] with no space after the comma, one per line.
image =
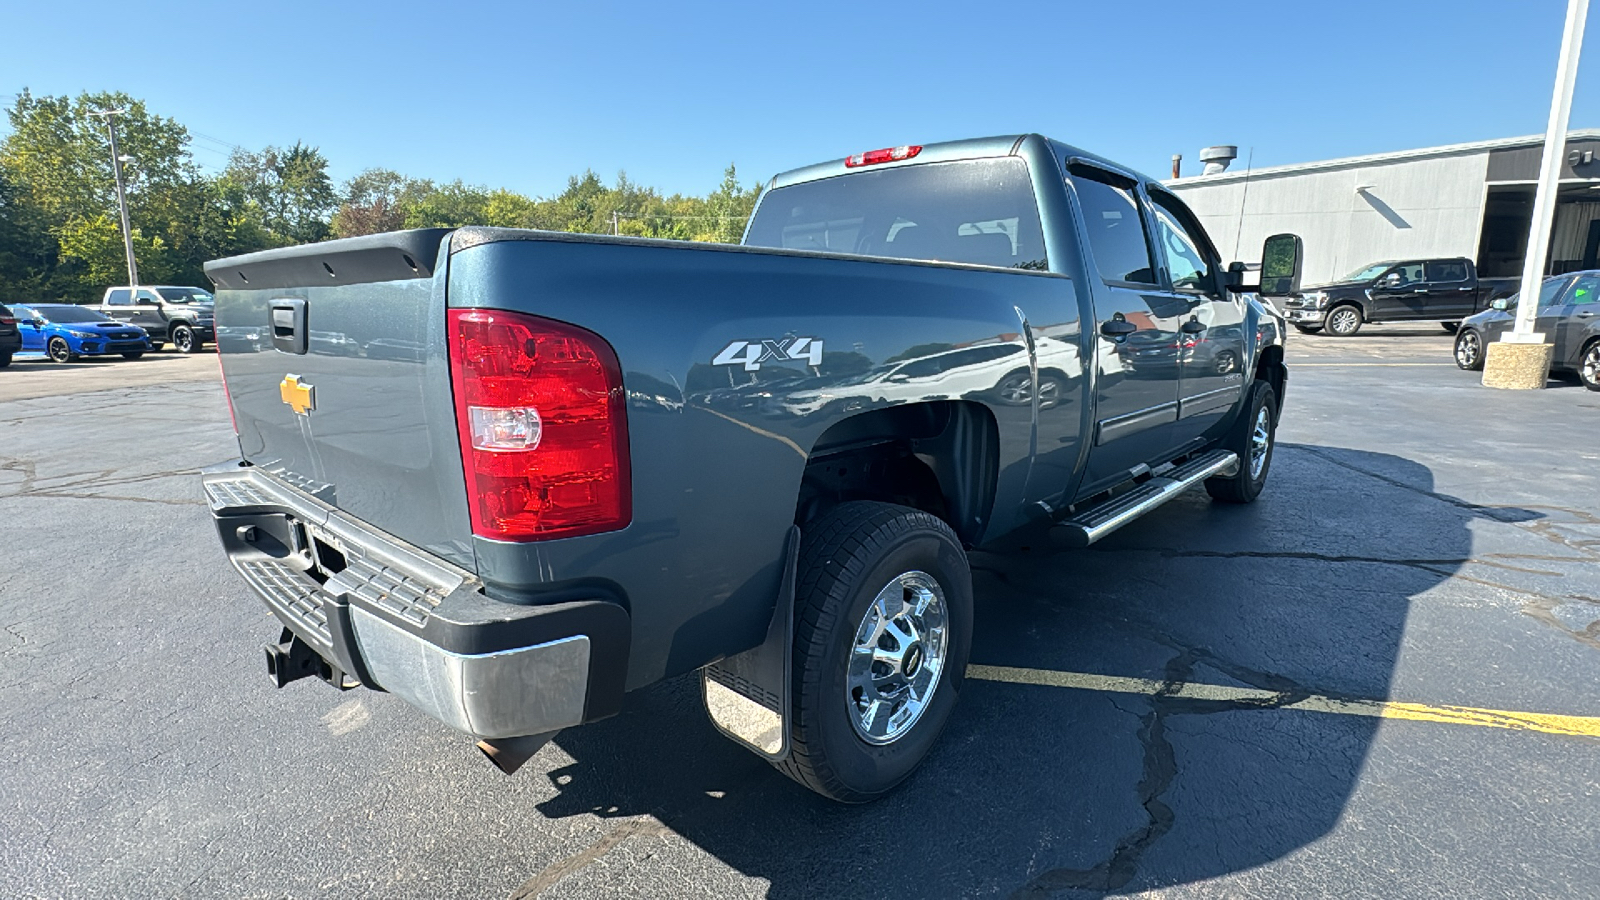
[181,316]
[1441,290]
[604,461]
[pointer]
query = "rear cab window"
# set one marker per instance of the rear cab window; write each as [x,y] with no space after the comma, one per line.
[119,297]
[1444,271]
[1116,229]
[979,211]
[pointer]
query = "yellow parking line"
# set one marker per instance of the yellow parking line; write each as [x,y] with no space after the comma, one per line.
[1547,723]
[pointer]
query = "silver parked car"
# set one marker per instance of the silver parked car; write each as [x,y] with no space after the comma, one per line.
[1569,317]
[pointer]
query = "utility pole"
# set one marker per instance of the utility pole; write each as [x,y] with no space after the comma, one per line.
[122,195]
[614,230]
[1521,358]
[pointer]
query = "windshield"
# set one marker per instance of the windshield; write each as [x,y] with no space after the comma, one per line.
[183,295]
[62,315]
[1368,273]
[978,211]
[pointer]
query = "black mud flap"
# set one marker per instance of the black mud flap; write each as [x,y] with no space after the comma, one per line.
[747,695]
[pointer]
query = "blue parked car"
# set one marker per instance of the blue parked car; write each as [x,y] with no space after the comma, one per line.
[65,332]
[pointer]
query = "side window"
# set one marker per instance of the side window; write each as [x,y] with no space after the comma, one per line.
[1586,290]
[119,297]
[1186,259]
[1408,273]
[1116,234]
[1550,291]
[1445,270]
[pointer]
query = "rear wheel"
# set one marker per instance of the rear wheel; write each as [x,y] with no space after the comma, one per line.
[183,339]
[5,360]
[883,627]
[59,350]
[1589,366]
[1450,327]
[1469,350]
[1252,439]
[1344,320]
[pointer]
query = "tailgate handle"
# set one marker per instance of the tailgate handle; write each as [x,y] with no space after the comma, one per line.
[287,319]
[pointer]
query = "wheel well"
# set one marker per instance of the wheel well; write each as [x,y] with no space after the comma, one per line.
[1270,368]
[940,457]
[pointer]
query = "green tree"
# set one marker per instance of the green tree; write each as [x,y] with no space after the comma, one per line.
[291,187]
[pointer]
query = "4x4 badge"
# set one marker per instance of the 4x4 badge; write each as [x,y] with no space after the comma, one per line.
[751,354]
[301,397]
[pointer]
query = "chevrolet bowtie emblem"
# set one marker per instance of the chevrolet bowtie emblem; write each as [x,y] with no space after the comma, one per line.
[302,398]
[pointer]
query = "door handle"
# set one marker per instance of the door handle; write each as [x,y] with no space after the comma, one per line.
[1193,326]
[1463,289]
[1117,328]
[1586,314]
[1419,290]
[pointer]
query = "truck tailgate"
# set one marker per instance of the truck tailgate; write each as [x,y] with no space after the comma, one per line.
[335,364]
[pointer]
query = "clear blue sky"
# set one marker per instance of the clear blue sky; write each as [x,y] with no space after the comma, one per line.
[522,95]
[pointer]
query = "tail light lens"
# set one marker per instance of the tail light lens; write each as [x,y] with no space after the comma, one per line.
[543,426]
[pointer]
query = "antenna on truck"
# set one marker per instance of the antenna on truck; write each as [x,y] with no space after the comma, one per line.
[1243,195]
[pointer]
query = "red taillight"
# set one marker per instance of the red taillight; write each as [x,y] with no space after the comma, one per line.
[7,320]
[543,425]
[888,154]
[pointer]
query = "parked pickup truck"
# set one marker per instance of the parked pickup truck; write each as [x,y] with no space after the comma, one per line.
[1442,290]
[605,461]
[181,316]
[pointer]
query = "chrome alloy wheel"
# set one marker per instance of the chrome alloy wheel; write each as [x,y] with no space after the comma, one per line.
[1589,368]
[897,658]
[1469,347]
[1345,320]
[1260,442]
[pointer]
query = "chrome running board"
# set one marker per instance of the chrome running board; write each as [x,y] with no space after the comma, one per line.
[1094,523]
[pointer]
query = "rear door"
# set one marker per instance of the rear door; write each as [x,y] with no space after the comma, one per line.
[118,304]
[1137,321]
[1452,293]
[1211,335]
[1580,319]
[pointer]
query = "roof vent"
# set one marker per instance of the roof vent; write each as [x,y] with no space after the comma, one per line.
[1217,158]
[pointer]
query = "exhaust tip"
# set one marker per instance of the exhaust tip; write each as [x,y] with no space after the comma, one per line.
[509,754]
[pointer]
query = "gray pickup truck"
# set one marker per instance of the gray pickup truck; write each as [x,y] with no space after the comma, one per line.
[180,316]
[567,466]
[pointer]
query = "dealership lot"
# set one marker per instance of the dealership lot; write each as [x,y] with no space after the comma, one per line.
[1192,707]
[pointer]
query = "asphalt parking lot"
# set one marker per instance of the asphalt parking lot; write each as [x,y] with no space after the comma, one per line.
[1381,679]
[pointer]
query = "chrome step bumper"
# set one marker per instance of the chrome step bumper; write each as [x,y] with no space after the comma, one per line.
[1094,523]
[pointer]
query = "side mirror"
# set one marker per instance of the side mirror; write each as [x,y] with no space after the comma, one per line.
[1281,258]
[1500,303]
[1391,280]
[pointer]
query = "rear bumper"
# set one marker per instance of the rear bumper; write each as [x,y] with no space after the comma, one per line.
[397,618]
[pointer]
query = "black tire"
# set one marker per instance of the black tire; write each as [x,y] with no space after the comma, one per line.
[1468,351]
[1589,366]
[1343,320]
[155,346]
[1308,329]
[59,350]
[183,339]
[134,355]
[1244,486]
[1450,327]
[5,360]
[848,555]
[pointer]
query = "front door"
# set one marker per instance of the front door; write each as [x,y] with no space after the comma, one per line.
[1211,331]
[147,313]
[1137,345]
[1398,294]
[1451,293]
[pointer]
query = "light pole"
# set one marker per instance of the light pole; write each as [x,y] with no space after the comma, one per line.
[1521,358]
[122,197]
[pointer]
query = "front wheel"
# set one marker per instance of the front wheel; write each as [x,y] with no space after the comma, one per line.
[134,355]
[59,350]
[1469,350]
[1308,329]
[1252,439]
[883,626]
[5,360]
[1589,366]
[183,339]
[1344,321]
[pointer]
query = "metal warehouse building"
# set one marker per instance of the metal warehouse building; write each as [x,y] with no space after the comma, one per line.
[1473,200]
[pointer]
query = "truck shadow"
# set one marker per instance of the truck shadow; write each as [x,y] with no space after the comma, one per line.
[1053,791]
